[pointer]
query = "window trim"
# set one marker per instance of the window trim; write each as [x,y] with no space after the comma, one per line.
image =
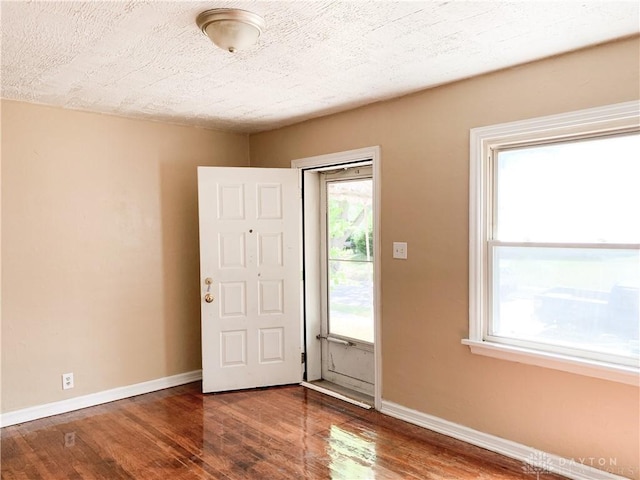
[617,118]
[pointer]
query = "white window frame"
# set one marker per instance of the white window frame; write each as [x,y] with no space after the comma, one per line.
[618,118]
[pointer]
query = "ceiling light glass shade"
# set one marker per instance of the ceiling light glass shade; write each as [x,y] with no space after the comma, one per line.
[231,29]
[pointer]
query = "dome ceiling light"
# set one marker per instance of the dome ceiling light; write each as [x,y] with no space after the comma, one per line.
[231,29]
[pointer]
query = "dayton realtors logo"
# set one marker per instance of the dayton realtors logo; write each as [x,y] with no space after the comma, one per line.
[608,464]
[540,462]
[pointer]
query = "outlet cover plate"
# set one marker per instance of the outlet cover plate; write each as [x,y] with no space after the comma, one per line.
[67,381]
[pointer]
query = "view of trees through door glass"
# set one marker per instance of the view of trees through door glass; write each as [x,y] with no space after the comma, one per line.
[350,258]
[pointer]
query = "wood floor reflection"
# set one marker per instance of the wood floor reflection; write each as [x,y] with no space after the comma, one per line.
[277,433]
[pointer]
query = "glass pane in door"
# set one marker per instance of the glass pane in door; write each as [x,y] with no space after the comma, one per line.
[350,258]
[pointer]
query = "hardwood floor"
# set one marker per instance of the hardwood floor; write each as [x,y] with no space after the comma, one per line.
[278,433]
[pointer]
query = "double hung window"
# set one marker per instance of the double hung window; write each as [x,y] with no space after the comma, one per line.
[555,242]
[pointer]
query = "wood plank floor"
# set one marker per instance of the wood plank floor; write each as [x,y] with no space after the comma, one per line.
[276,433]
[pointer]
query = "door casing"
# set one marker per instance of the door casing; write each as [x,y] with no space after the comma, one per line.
[309,177]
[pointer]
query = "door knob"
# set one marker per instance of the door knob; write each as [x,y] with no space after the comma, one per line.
[208,297]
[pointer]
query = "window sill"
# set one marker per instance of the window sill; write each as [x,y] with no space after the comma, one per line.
[591,368]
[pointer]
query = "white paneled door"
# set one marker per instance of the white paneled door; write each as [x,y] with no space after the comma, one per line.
[250,273]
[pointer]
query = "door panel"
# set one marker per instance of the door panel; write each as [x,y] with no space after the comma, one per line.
[352,362]
[250,249]
[348,279]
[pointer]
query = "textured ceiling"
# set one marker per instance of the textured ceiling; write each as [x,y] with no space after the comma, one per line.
[149,60]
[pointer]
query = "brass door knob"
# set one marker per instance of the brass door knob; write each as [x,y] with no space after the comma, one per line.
[208,298]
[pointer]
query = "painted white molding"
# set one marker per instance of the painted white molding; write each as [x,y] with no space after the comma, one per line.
[555,361]
[620,117]
[93,399]
[576,469]
[366,155]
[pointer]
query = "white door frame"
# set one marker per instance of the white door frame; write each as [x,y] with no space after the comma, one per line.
[326,162]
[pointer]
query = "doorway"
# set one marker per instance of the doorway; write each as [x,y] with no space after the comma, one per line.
[342,274]
[347,265]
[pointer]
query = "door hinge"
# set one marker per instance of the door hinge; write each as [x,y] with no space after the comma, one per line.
[302,357]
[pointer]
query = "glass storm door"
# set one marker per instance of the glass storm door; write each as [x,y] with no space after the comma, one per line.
[348,323]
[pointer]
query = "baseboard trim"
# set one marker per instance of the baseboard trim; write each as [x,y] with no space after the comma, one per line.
[532,460]
[93,399]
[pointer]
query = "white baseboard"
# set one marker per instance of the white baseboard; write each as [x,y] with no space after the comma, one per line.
[532,460]
[77,403]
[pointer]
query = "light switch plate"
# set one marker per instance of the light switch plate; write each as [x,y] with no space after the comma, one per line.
[400,250]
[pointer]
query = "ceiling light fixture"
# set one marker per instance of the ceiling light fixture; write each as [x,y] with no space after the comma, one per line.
[231,29]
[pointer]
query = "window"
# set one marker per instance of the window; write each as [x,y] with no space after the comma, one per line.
[555,242]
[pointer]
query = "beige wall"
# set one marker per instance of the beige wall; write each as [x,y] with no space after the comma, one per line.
[1,104]
[425,154]
[99,249]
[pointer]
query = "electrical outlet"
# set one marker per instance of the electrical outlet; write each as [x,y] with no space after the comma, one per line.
[67,381]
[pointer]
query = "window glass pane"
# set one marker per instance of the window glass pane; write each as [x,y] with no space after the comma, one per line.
[586,299]
[351,299]
[350,262]
[582,191]
[350,220]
